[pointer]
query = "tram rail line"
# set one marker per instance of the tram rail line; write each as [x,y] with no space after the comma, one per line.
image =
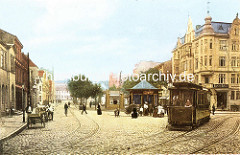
[159,133]
[215,127]
[235,130]
[78,132]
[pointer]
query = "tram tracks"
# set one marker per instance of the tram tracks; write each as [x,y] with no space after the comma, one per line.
[234,131]
[78,133]
[186,135]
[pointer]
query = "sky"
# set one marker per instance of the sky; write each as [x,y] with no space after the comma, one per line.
[97,37]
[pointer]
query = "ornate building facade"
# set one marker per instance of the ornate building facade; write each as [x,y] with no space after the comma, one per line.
[211,52]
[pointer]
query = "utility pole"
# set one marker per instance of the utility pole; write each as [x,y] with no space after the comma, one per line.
[23,104]
[28,92]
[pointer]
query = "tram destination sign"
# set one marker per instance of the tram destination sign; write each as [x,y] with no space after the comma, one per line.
[220,86]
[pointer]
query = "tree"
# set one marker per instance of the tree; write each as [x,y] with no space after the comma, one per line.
[114,88]
[80,88]
[96,90]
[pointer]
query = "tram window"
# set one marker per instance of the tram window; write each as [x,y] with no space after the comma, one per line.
[179,98]
[199,98]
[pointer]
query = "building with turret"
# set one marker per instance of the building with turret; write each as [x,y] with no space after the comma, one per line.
[211,53]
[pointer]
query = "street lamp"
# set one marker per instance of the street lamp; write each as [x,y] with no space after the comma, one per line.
[23,104]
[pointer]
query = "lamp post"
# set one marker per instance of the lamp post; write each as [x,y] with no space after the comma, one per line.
[23,104]
[34,88]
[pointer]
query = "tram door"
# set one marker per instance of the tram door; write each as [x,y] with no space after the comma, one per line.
[221,99]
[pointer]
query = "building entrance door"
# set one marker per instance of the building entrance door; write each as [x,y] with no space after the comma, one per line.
[222,100]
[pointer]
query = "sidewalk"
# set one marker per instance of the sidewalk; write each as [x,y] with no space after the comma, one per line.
[227,112]
[10,126]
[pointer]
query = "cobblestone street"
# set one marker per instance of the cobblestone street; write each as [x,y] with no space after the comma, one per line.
[90,133]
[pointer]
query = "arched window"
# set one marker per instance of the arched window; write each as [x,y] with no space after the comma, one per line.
[236,31]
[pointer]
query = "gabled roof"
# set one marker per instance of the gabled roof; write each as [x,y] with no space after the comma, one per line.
[144,85]
[8,37]
[32,64]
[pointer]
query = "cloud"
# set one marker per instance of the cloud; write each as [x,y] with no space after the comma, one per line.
[86,14]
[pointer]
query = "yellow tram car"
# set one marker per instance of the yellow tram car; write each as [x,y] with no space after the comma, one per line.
[189,106]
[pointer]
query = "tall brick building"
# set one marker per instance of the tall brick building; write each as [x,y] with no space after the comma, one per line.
[21,66]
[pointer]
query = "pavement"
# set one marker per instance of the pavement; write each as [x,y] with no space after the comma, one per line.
[77,134]
[11,125]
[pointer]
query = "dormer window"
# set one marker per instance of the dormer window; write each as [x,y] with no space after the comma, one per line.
[220,27]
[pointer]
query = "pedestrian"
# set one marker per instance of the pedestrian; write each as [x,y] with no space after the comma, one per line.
[165,108]
[150,109]
[69,104]
[84,109]
[116,112]
[134,113]
[141,111]
[99,111]
[145,109]
[66,108]
[29,109]
[160,111]
[90,104]
[213,109]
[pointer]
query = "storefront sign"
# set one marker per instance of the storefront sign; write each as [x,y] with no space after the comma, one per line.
[148,92]
[220,86]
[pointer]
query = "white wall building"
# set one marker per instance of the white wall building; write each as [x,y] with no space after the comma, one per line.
[61,92]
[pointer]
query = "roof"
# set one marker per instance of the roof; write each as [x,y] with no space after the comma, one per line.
[32,64]
[8,37]
[221,27]
[143,85]
[40,73]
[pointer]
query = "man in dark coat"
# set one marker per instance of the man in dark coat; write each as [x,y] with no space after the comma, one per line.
[84,109]
[213,109]
[134,113]
[99,111]
[66,108]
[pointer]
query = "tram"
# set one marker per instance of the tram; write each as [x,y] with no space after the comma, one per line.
[189,106]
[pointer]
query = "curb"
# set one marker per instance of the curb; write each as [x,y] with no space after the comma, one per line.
[14,133]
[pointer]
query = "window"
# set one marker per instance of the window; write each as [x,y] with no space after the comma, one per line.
[232,95]
[2,59]
[196,78]
[221,78]
[196,63]
[205,60]
[233,76]
[236,31]
[222,61]
[185,65]
[238,61]
[234,46]
[223,45]
[190,64]
[210,44]
[238,78]
[234,62]
[210,60]
[237,95]
[206,79]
